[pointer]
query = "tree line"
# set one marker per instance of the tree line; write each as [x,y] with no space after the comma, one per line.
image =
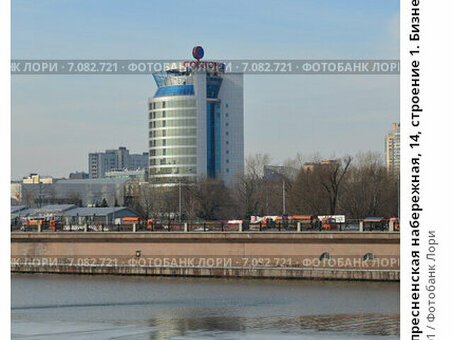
[356,187]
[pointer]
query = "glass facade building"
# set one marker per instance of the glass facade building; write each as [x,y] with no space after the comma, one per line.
[196,125]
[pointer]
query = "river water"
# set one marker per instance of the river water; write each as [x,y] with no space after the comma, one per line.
[110,307]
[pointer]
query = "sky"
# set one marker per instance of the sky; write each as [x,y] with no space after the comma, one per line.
[58,119]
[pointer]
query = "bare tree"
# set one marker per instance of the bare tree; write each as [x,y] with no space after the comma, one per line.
[166,202]
[306,195]
[247,193]
[323,188]
[297,162]
[213,199]
[317,189]
[251,190]
[370,191]
[332,176]
[254,164]
[189,202]
[145,204]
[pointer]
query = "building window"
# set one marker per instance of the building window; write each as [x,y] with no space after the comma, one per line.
[227,142]
[227,133]
[226,124]
[163,105]
[227,169]
[226,115]
[228,161]
[226,105]
[227,152]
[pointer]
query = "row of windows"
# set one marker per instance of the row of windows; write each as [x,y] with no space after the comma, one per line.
[172,103]
[157,180]
[173,152]
[227,142]
[173,171]
[172,123]
[173,133]
[173,114]
[173,142]
[173,161]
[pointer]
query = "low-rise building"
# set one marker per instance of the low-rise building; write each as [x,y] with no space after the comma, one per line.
[94,215]
[78,175]
[70,214]
[36,179]
[81,192]
[310,166]
[92,191]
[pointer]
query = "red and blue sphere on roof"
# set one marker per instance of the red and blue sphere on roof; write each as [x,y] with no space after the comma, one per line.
[198,52]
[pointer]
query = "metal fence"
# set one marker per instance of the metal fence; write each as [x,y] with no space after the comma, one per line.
[206,226]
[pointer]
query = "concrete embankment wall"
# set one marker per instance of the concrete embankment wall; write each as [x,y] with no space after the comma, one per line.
[233,254]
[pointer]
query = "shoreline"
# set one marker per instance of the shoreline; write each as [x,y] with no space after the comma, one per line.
[379,276]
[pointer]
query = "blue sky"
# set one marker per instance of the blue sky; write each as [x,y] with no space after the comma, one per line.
[57,120]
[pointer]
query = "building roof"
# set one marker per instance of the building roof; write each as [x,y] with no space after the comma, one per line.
[98,211]
[55,208]
[22,213]
[175,90]
[17,208]
[72,210]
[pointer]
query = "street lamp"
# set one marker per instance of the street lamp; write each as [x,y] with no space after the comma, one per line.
[180,201]
[284,202]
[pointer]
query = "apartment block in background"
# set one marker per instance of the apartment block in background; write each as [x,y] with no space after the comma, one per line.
[392,150]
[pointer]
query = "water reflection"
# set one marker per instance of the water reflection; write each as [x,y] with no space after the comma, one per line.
[76,307]
[358,324]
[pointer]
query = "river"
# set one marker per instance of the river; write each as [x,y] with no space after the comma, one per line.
[111,307]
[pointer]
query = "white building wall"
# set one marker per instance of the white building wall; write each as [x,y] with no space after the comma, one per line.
[232,104]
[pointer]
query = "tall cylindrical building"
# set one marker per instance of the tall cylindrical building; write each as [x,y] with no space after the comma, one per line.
[196,126]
